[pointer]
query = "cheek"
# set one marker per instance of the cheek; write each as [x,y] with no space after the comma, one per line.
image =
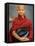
[18,11]
[23,11]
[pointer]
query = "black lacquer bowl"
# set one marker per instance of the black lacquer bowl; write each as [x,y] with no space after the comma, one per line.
[22,31]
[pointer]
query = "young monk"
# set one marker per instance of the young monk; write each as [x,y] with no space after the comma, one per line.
[21,21]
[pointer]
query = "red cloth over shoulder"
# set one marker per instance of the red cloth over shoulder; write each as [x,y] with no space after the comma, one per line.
[23,22]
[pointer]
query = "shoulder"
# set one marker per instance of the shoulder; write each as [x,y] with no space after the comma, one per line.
[29,21]
[15,19]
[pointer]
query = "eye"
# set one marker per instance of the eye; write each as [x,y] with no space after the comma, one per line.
[19,9]
[22,9]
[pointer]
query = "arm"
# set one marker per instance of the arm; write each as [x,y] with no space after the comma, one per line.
[15,35]
[30,31]
[18,37]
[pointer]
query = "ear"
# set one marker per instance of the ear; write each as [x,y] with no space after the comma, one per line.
[17,7]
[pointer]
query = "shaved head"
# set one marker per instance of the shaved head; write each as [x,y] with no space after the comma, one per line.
[20,9]
[20,6]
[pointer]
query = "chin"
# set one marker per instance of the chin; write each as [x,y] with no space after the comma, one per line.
[21,14]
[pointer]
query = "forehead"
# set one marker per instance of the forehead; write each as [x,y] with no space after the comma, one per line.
[20,6]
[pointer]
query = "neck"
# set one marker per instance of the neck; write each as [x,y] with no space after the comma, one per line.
[21,16]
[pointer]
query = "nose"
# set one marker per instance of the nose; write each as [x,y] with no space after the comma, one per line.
[21,11]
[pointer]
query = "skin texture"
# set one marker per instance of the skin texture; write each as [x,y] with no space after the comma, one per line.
[20,9]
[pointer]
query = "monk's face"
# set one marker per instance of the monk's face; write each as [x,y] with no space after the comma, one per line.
[20,10]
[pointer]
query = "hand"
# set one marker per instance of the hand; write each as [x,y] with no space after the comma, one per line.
[21,39]
[27,39]
[24,39]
